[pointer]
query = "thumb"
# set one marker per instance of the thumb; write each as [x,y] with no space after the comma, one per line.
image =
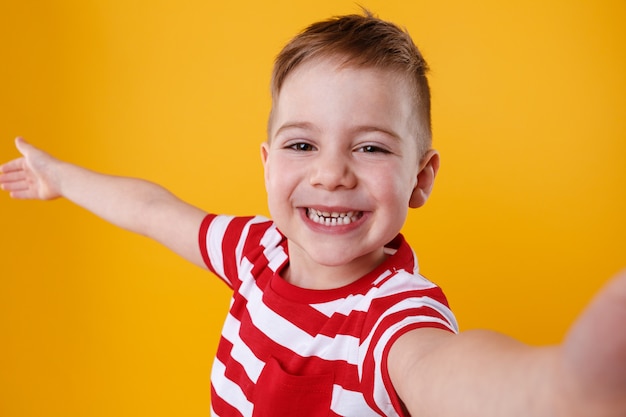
[26,149]
[22,146]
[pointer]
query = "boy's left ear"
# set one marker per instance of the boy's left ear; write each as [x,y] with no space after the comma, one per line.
[429,165]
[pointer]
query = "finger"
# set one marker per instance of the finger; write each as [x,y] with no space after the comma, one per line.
[15,186]
[14,165]
[23,194]
[20,191]
[23,147]
[20,143]
[12,176]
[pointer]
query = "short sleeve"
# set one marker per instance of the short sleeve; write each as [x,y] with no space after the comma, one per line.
[229,243]
[392,316]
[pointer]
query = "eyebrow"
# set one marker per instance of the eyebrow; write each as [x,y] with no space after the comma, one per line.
[387,132]
[357,129]
[295,125]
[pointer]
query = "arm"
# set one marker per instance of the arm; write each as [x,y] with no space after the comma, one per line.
[133,204]
[482,373]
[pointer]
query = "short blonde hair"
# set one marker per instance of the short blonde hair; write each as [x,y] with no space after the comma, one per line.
[361,41]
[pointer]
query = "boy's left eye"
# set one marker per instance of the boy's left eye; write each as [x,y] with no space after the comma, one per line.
[372,149]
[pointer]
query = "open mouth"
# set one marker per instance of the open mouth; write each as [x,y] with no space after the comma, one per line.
[333,219]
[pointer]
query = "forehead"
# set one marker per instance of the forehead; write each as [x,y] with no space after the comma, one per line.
[330,93]
[317,70]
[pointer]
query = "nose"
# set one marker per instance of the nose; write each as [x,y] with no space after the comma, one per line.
[333,170]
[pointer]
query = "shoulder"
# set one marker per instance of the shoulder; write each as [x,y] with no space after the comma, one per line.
[226,241]
[411,355]
[406,298]
[220,224]
[232,231]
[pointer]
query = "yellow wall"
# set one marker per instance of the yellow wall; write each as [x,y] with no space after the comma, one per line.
[527,221]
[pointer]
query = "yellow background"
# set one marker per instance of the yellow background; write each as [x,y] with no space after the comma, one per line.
[527,220]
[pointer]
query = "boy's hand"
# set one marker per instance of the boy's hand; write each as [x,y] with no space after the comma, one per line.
[593,357]
[489,374]
[130,203]
[31,176]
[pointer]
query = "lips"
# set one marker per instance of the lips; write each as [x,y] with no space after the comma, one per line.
[333,218]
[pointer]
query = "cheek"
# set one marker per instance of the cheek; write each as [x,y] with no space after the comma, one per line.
[275,203]
[391,189]
[280,181]
[273,189]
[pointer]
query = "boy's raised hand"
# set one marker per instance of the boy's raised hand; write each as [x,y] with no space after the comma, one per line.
[130,203]
[593,357]
[484,373]
[29,177]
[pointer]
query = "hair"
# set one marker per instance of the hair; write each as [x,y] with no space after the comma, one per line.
[362,41]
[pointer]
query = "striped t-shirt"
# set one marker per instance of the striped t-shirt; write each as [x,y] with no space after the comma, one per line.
[290,351]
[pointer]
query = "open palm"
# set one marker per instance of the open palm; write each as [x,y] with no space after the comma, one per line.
[31,176]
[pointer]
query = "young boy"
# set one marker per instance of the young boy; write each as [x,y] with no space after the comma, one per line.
[329,314]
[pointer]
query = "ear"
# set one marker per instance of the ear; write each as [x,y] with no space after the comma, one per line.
[429,166]
[265,153]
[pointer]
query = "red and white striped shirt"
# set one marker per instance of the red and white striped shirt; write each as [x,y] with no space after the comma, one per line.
[289,351]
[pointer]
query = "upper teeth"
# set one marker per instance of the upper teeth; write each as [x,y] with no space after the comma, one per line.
[332,218]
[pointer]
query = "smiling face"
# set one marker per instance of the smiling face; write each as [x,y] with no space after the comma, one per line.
[341,169]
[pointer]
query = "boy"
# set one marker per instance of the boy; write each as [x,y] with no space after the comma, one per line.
[329,314]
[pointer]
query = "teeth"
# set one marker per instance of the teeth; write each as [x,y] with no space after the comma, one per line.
[334,218]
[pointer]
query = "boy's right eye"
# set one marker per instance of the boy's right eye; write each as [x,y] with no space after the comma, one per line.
[302,147]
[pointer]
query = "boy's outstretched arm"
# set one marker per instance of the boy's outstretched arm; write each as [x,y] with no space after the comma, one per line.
[484,374]
[133,204]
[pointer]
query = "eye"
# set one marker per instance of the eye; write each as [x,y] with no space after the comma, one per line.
[372,149]
[302,147]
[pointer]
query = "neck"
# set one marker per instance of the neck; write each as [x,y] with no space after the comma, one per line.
[305,272]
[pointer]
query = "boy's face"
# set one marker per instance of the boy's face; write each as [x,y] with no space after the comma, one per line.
[341,168]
